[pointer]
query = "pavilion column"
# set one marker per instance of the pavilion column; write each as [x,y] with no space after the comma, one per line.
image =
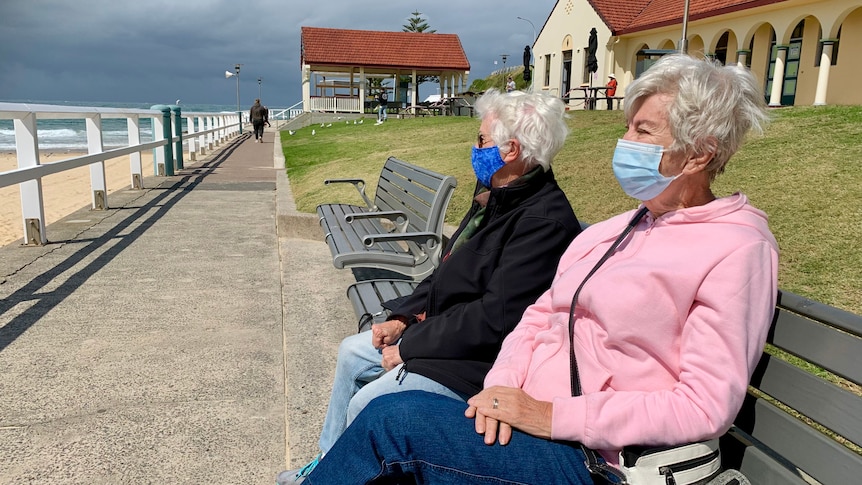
[414,89]
[823,75]
[306,88]
[362,85]
[778,76]
[742,57]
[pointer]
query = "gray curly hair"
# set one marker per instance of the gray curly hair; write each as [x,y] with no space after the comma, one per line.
[537,121]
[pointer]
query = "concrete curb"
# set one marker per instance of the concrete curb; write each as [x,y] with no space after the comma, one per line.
[288,221]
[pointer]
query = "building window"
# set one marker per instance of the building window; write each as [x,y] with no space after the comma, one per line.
[547,70]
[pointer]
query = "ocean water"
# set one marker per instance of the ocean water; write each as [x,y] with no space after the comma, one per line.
[71,134]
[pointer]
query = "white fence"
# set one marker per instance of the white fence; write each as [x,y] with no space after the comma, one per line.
[212,130]
[335,105]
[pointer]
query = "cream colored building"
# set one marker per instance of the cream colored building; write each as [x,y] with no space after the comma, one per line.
[804,52]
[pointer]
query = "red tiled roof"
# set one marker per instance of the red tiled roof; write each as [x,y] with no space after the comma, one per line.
[629,16]
[405,50]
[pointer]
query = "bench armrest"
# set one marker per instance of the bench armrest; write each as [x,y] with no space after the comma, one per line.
[421,238]
[397,217]
[359,184]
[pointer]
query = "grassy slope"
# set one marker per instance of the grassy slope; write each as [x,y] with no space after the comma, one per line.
[805,172]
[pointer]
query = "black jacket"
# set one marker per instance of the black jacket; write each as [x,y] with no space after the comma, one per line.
[478,294]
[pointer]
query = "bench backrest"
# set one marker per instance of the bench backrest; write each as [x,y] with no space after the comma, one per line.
[816,337]
[421,194]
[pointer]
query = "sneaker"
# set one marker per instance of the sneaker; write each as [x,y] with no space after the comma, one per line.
[298,475]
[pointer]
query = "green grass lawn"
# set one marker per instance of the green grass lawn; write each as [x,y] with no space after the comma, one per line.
[805,172]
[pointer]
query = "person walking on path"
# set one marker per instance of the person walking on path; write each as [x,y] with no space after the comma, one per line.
[382,101]
[259,116]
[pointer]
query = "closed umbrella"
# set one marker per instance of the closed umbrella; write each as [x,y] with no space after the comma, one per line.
[592,62]
[527,56]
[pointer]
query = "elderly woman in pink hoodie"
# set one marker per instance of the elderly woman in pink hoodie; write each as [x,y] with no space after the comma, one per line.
[647,336]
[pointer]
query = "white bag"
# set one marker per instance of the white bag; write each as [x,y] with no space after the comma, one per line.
[690,464]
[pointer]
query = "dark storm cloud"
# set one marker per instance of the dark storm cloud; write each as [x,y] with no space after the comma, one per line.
[159,50]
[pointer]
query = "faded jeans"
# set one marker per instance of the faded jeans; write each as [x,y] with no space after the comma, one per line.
[359,378]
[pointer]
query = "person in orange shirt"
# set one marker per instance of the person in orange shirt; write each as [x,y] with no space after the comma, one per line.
[611,91]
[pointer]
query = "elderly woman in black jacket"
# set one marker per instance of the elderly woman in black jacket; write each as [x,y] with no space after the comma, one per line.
[445,336]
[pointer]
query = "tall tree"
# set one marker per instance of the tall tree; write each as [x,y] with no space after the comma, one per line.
[419,25]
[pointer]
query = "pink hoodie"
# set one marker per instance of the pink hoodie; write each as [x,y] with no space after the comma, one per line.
[667,331]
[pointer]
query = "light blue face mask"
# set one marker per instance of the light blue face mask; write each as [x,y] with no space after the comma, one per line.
[636,168]
[486,162]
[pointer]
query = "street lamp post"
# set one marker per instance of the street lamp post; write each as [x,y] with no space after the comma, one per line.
[504,56]
[238,111]
[259,80]
[531,25]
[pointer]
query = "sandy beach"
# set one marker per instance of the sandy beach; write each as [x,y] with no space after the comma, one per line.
[63,192]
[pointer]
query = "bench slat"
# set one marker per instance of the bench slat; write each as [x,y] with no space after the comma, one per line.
[818,344]
[813,452]
[820,400]
[368,296]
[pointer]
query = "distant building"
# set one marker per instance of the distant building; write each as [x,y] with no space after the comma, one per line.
[792,46]
[339,65]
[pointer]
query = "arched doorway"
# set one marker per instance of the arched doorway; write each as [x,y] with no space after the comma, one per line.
[791,65]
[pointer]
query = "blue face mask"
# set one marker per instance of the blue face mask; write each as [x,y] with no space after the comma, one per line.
[486,162]
[636,168]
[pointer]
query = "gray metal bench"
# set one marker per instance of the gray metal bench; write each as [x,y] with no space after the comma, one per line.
[401,230]
[367,298]
[771,445]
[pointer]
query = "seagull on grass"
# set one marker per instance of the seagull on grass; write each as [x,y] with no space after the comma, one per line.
[290,132]
[312,132]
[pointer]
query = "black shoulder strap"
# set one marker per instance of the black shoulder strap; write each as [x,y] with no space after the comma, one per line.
[596,468]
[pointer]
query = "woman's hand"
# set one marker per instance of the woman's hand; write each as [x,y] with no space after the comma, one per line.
[514,409]
[387,333]
[391,357]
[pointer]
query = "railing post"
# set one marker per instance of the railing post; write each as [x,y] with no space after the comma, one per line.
[166,135]
[202,139]
[178,131]
[99,188]
[135,168]
[32,207]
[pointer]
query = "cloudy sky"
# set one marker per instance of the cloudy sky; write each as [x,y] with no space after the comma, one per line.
[157,51]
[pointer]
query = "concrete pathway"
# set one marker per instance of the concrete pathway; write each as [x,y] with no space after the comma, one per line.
[186,335]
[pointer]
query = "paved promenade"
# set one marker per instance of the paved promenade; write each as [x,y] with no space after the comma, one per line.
[186,335]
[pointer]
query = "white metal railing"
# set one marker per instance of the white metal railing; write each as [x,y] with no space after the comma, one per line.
[212,130]
[336,104]
[286,113]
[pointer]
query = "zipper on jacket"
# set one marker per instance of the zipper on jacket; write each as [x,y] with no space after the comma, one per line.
[668,470]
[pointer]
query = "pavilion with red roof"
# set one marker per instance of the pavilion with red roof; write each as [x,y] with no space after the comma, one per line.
[340,66]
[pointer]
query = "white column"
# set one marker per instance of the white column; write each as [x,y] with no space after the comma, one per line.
[158,153]
[135,168]
[363,83]
[778,76]
[98,186]
[306,88]
[32,208]
[823,75]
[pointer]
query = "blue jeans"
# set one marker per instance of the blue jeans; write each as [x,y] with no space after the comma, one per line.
[359,378]
[425,437]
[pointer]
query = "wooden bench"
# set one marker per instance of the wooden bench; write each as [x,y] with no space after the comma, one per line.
[771,445]
[401,230]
